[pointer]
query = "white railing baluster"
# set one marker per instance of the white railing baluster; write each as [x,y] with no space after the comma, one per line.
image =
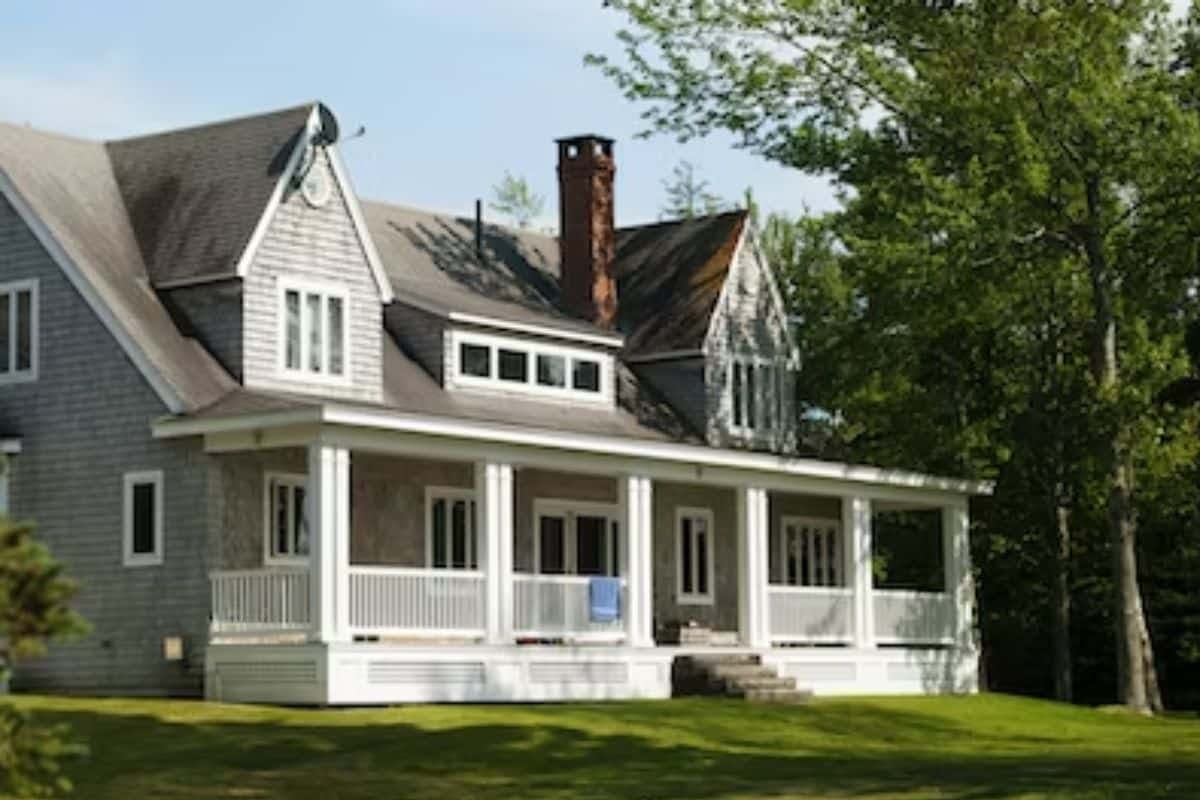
[259,601]
[559,606]
[810,613]
[908,617]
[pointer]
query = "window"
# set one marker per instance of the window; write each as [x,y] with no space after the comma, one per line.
[450,541]
[143,519]
[577,539]
[18,331]
[755,396]
[694,558]
[315,332]
[810,552]
[531,367]
[287,528]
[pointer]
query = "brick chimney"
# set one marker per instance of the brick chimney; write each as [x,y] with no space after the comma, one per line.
[585,218]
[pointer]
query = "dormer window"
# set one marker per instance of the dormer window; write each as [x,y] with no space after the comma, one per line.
[315,331]
[755,396]
[500,363]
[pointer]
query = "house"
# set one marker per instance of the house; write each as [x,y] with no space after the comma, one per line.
[302,448]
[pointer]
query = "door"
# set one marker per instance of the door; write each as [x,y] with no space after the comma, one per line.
[576,542]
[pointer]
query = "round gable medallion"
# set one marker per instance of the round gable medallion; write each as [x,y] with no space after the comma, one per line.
[316,186]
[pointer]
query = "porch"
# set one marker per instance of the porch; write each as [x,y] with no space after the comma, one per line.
[367,574]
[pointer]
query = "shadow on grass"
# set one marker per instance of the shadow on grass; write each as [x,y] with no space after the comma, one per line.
[699,749]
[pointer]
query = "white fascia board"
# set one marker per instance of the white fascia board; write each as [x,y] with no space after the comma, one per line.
[615,341]
[91,295]
[666,355]
[10,447]
[360,224]
[697,455]
[264,221]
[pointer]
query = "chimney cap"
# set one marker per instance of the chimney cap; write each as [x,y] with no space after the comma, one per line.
[585,137]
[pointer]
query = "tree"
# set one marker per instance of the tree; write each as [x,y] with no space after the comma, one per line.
[34,608]
[514,198]
[1057,141]
[688,195]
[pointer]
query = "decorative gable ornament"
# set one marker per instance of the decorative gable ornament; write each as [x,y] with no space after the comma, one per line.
[313,182]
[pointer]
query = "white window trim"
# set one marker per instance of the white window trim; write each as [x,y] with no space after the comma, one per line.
[289,479]
[837,562]
[28,375]
[131,559]
[450,494]
[571,510]
[767,400]
[456,379]
[326,291]
[694,598]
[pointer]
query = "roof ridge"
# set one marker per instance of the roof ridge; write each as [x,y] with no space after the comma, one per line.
[736,212]
[202,126]
[469,217]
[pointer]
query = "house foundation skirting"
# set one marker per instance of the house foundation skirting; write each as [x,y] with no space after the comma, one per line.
[377,674]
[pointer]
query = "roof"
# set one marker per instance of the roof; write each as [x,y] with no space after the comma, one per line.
[194,196]
[66,190]
[669,274]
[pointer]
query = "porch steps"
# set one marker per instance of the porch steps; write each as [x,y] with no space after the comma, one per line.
[741,675]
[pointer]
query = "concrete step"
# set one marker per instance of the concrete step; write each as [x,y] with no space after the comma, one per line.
[709,660]
[781,696]
[740,671]
[755,684]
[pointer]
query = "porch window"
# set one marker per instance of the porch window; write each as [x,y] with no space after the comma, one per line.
[577,542]
[694,557]
[143,519]
[811,552]
[450,529]
[315,331]
[287,518]
[18,331]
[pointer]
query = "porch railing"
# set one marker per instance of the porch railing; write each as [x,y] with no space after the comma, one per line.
[259,600]
[552,606]
[810,614]
[908,617]
[394,600]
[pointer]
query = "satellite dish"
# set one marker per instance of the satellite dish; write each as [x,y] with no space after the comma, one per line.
[328,134]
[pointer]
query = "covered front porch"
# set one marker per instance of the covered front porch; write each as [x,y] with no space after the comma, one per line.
[362,567]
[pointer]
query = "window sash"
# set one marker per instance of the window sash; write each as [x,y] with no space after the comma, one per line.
[315,326]
[452,538]
[287,513]
[694,536]
[577,542]
[811,553]
[18,329]
[516,365]
[142,523]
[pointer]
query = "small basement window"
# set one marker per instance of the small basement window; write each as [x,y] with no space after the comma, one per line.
[18,331]
[143,519]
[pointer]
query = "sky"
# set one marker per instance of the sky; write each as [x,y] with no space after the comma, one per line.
[452,93]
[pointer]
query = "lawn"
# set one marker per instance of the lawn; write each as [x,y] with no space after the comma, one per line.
[970,747]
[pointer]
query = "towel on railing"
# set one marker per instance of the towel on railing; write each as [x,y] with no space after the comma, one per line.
[604,599]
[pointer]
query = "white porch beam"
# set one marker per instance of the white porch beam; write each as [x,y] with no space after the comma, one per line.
[636,499]
[960,588]
[753,527]
[494,515]
[329,541]
[856,522]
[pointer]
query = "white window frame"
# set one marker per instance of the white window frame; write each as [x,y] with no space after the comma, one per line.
[766,401]
[13,288]
[325,291]
[294,480]
[451,494]
[694,598]
[570,511]
[132,479]
[457,379]
[833,574]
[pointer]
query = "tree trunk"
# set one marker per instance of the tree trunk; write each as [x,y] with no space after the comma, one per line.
[1061,600]
[1135,659]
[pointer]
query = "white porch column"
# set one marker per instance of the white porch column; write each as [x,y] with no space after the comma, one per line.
[329,541]
[636,498]
[494,521]
[956,549]
[856,522]
[753,528]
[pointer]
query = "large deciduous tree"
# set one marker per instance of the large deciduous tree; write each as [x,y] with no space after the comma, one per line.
[1018,180]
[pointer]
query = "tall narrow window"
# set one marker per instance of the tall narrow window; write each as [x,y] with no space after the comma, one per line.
[694,535]
[287,518]
[143,519]
[315,332]
[751,398]
[451,538]
[18,331]
[738,395]
[552,545]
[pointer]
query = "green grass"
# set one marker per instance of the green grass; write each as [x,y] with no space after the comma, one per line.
[969,747]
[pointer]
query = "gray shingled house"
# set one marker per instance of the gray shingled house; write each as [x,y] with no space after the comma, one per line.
[303,448]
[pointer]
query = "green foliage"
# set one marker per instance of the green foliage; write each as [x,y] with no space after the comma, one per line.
[1017,180]
[688,195]
[515,198]
[34,608]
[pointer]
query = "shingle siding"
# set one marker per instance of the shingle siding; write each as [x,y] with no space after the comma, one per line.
[84,423]
[320,245]
[212,313]
[681,384]
[421,335]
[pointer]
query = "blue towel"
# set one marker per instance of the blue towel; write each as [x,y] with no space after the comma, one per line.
[604,599]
